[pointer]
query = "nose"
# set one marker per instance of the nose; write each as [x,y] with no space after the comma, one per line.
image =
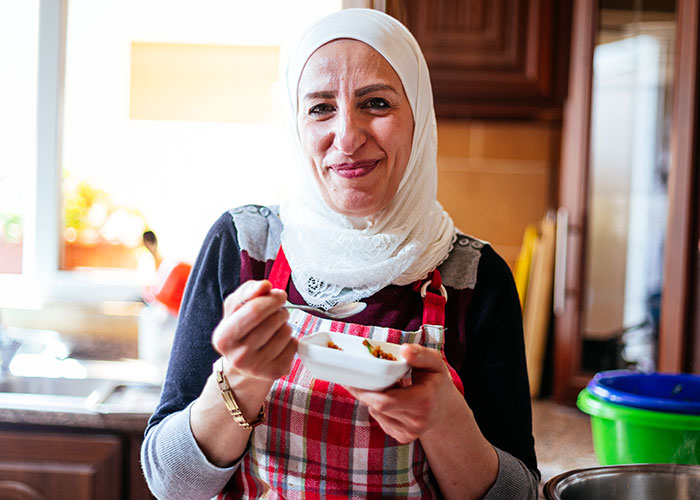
[349,132]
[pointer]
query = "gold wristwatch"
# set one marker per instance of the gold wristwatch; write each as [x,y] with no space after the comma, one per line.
[230,401]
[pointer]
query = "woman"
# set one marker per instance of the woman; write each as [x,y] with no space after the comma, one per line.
[364,224]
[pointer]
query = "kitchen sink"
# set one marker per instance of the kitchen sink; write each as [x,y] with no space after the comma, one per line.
[81,395]
[39,374]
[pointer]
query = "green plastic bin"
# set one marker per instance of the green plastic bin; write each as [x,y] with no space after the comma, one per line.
[628,435]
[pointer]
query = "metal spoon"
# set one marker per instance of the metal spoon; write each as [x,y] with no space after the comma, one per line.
[336,312]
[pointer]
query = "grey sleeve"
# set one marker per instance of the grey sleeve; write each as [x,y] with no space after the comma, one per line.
[174,465]
[514,481]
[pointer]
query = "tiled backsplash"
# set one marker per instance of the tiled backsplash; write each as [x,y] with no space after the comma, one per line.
[494,178]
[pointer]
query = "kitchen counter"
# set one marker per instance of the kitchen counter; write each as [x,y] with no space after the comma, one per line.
[130,423]
[563,439]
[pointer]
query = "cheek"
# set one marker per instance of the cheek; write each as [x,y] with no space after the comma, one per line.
[400,144]
[314,140]
[398,141]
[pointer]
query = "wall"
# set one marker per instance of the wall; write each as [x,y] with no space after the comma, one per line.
[496,177]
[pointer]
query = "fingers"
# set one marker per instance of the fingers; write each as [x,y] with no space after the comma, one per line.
[422,357]
[262,347]
[404,421]
[398,402]
[244,293]
[283,362]
[263,364]
[404,432]
[246,316]
[269,360]
[257,319]
[267,334]
[406,413]
[254,334]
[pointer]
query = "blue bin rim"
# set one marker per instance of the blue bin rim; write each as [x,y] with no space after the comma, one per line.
[597,408]
[600,387]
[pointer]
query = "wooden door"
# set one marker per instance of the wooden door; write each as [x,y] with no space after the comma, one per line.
[677,337]
[679,342]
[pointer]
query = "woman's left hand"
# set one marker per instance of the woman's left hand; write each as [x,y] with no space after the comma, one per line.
[407,413]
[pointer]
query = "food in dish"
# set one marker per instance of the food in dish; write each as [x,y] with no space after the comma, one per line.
[377,352]
[374,350]
[351,366]
[333,345]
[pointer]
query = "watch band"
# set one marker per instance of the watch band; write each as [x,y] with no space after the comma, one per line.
[230,401]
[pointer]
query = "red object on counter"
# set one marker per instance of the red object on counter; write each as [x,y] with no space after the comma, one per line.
[170,292]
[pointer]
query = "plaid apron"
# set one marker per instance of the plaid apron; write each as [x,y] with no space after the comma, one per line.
[318,442]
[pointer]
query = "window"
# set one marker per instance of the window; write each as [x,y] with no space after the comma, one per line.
[154,115]
[19,35]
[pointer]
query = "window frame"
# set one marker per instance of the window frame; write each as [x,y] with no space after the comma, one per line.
[42,281]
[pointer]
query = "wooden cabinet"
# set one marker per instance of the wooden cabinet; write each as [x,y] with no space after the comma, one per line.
[492,58]
[37,464]
[60,466]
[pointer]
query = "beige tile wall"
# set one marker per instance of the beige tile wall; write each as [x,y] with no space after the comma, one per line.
[494,178]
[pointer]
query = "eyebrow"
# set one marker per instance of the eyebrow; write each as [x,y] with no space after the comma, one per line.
[374,88]
[328,94]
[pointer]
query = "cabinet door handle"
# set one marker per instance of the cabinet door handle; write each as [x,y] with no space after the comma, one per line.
[560,261]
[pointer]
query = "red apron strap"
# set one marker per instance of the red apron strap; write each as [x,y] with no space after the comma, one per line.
[433,303]
[434,313]
[280,272]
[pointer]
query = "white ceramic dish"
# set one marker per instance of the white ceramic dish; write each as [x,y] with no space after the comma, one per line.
[354,366]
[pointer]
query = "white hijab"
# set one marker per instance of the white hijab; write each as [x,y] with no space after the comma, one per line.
[334,258]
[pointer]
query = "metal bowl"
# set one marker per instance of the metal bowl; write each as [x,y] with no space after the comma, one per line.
[627,482]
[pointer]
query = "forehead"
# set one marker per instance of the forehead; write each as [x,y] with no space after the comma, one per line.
[346,60]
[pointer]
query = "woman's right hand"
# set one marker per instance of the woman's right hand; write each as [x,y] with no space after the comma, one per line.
[256,342]
[253,335]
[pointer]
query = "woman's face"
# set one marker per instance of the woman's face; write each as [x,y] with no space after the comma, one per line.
[355,125]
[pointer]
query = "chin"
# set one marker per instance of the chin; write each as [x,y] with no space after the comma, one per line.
[355,210]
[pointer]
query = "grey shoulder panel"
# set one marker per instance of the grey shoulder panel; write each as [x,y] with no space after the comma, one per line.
[460,269]
[258,229]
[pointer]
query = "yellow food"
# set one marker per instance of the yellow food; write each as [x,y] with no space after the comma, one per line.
[377,352]
[333,345]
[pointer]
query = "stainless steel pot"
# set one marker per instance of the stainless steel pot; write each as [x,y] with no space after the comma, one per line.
[627,482]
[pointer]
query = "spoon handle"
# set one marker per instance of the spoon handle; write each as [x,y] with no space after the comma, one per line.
[289,305]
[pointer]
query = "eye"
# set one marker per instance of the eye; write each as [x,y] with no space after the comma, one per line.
[376,103]
[319,110]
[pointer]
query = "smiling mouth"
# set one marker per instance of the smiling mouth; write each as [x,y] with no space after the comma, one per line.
[355,169]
